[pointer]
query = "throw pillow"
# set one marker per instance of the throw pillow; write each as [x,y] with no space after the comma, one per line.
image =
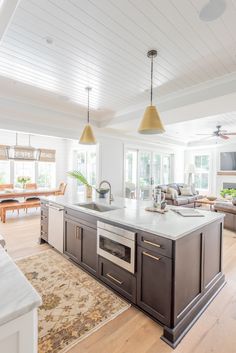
[173,192]
[187,191]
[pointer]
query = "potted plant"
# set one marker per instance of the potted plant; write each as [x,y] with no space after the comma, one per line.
[229,194]
[23,180]
[82,180]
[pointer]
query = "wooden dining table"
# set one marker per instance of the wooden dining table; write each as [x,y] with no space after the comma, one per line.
[18,193]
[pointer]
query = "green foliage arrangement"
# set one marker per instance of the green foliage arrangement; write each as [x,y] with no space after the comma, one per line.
[76,174]
[228,192]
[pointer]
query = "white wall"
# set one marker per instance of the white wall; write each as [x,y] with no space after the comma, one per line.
[111,163]
[38,141]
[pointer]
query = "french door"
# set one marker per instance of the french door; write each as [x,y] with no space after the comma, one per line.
[144,170]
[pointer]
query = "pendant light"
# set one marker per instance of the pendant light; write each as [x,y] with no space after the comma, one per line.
[87,137]
[151,122]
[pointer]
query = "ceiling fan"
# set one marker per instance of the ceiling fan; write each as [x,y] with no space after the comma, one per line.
[223,134]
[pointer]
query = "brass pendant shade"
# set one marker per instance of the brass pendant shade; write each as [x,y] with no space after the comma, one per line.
[87,137]
[151,122]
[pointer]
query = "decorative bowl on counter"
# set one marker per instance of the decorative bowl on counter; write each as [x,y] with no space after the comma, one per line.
[102,192]
[211,198]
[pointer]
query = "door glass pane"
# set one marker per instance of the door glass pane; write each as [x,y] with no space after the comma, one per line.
[145,175]
[86,163]
[131,174]
[81,166]
[166,169]
[46,174]
[4,172]
[91,167]
[25,169]
[156,169]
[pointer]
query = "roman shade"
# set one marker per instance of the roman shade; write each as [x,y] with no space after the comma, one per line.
[47,155]
[25,153]
[3,152]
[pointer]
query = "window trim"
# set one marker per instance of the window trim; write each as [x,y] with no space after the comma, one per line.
[209,171]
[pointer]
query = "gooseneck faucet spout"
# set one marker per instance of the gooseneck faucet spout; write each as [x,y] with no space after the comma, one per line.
[110,194]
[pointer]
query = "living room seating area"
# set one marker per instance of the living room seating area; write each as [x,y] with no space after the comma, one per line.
[180,194]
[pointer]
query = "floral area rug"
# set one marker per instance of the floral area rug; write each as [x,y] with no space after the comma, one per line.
[74,303]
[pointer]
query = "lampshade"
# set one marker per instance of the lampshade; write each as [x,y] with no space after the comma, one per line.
[151,122]
[87,137]
[190,168]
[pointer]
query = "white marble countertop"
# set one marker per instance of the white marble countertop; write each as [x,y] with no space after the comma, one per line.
[17,296]
[132,213]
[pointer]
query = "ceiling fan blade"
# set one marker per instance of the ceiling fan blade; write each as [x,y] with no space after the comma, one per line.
[230,133]
[203,134]
[224,137]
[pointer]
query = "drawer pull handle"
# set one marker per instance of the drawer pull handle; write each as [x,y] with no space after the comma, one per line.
[114,279]
[152,256]
[150,243]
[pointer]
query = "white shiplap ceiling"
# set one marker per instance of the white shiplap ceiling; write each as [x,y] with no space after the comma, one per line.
[103,44]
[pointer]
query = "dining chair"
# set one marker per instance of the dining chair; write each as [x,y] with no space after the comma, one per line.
[6,186]
[31,186]
[61,189]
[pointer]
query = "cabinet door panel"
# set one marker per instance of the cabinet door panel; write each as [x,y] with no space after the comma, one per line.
[88,255]
[71,240]
[212,257]
[154,284]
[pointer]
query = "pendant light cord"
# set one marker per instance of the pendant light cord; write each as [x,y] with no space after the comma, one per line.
[88,107]
[151,77]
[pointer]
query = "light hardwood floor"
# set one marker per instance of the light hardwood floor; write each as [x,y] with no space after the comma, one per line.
[132,331]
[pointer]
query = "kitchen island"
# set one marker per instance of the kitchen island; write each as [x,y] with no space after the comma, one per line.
[167,265]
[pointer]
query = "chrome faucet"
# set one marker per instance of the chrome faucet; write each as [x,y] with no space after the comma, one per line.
[110,194]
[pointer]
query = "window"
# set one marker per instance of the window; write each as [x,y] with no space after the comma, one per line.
[46,174]
[24,169]
[143,171]
[131,160]
[166,169]
[4,172]
[85,162]
[201,177]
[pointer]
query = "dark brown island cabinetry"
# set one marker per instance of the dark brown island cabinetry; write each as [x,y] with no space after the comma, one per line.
[119,279]
[173,281]
[80,239]
[154,284]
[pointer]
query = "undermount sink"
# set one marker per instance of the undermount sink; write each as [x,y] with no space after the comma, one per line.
[96,207]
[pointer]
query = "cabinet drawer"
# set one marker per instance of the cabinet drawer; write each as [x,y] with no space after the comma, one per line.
[80,216]
[155,243]
[118,278]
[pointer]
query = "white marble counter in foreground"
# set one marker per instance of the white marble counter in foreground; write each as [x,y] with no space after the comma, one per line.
[17,296]
[132,213]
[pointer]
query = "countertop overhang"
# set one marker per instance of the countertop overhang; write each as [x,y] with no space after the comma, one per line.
[17,295]
[132,213]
